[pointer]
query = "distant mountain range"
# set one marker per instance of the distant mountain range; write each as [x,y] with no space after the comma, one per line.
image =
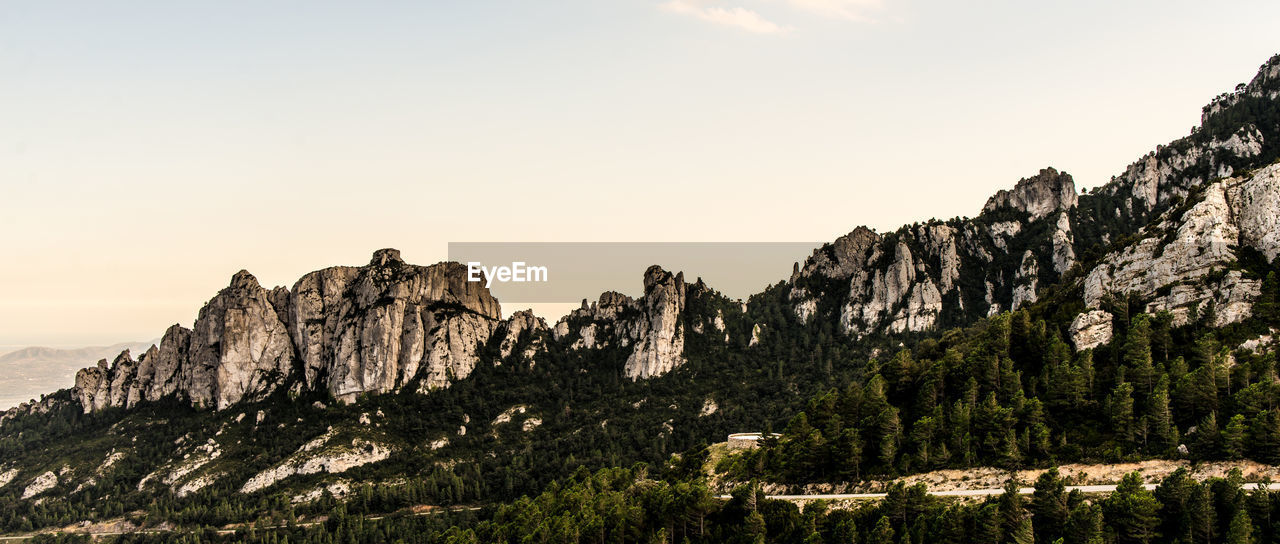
[27,373]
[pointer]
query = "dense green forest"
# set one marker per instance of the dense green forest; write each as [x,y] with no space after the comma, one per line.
[1010,392]
[637,505]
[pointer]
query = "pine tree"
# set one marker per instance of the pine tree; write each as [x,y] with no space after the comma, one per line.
[1201,516]
[1049,506]
[1137,354]
[1120,411]
[1233,437]
[1264,437]
[1164,436]
[1131,510]
[1011,510]
[1206,439]
[1241,529]
[882,533]
[1084,525]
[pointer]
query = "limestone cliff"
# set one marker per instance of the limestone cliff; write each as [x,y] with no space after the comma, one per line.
[651,328]
[1184,263]
[344,330]
[376,328]
[948,273]
[941,273]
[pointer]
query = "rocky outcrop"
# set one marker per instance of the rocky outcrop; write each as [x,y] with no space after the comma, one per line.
[239,348]
[1064,254]
[376,328]
[40,484]
[1256,205]
[910,280]
[1225,143]
[8,476]
[522,328]
[158,368]
[321,455]
[345,330]
[1039,195]
[988,271]
[652,327]
[658,333]
[1182,264]
[1091,329]
[1026,281]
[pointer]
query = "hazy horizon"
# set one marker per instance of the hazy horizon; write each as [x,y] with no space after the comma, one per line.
[152,150]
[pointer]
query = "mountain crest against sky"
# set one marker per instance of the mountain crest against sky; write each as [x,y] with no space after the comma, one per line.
[392,326]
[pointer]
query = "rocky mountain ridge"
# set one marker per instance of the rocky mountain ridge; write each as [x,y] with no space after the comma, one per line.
[390,326]
[938,274]
[345,330]
[383,327]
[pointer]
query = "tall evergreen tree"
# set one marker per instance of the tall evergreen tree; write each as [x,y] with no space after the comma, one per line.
[1131,511]
[1049,506]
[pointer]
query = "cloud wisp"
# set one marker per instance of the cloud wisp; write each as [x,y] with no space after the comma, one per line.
[712,11]
[858,11]
[739,17]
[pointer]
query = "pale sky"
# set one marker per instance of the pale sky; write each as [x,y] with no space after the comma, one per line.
[149,150]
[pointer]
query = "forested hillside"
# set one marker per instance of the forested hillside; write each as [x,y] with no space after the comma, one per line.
[393,401]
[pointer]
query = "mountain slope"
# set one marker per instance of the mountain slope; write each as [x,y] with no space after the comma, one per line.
[405,376]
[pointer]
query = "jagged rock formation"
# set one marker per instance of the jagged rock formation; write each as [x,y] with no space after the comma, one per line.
[1025,281]
[1039,195]
[238,347]
[520,326]
[1181,265]
[912,279]
[375,328]
[372,329]
[651,326]
[388,326]
[922,277]
[1220,147]
[345,330]
[659,335]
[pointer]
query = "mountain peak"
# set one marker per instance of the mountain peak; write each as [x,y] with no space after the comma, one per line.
[243,279]
[385,256]
[1039,195]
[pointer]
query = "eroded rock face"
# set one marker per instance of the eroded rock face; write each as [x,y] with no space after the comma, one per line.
[346,330]
[1026,281]
[8,476]
[910,279]
[378,327]
[40,484]
[658,333]
[1039,195]
[522,325]
[323,454]
[1091,329]
[1181,265]
[651,327]
[126,382]
[1064,255]
[1257,206]
[239,347]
